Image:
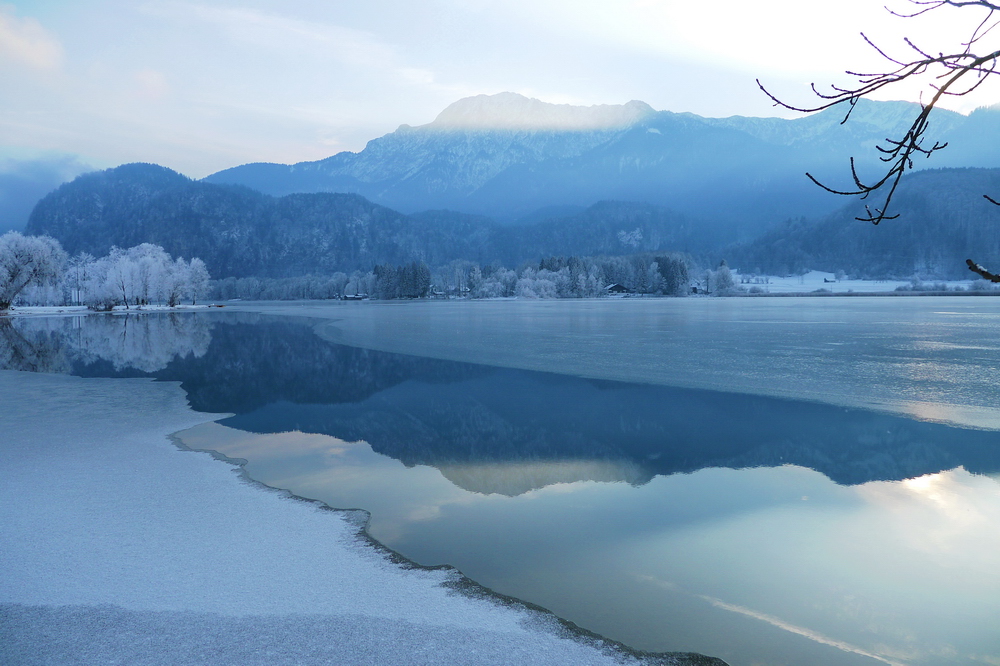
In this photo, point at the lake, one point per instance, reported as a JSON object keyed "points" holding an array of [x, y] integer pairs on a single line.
{"points": [[772, 481]]}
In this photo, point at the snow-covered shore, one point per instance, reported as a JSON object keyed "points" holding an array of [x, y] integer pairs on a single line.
{"points": [[56, 310], [823, 282], [119, 547]]}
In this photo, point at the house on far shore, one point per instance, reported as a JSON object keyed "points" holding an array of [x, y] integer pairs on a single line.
{"points": [[616, 289]]}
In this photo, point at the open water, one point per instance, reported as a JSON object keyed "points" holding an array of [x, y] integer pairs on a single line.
{"points": [[770, 481]]}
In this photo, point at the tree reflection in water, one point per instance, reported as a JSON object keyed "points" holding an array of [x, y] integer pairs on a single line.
{"points": [[141, 342], [486, 428]]}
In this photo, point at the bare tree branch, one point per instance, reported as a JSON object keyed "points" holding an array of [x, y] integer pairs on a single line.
{"points": [[949, 73], [976, 268]]}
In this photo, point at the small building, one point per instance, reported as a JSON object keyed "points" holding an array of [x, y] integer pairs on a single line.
{"points": [[616, 289]]}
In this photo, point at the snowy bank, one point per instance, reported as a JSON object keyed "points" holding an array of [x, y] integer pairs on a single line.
{"points": [[820, 281], [55, 310], [119, 547]]}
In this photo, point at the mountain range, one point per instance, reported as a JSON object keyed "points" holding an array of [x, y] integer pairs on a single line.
{"points": [[241, 232], [507, 179], [505, 156]]}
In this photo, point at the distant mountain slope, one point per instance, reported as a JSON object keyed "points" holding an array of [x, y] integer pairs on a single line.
{"points": [[24, 181], [943, 221], [240, 232], [506, 155]]}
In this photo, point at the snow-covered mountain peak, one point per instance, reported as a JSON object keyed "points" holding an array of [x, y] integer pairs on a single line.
{"points": [[513, 111]]}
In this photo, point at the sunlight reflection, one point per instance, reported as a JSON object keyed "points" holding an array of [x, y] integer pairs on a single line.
{"points": [[942, 514], [985, 418]]}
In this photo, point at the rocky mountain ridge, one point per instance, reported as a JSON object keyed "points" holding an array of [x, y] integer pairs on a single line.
{"points": [[506, 155]]}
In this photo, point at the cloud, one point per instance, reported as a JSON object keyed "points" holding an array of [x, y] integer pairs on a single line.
{"points": [[291, 37], [801, 631], [151, 84], [25, 41]]}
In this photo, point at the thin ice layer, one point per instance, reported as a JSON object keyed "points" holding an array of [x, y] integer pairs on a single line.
{"points": [[107, 523]]}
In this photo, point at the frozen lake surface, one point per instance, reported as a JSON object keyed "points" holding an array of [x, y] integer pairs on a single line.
{"points": [[777, 481]]}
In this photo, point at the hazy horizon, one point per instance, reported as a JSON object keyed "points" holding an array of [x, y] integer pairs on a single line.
{"points": [[203, 86]]}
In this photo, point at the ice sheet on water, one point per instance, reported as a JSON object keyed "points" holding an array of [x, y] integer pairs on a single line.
{"points": [[931, 358], [78, 635], [109, 522]]}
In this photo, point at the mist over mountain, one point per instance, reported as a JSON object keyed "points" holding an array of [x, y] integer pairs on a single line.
{"points": [[943, 220], [240, 232], [506, 155], [24, 181], [600, 180]]}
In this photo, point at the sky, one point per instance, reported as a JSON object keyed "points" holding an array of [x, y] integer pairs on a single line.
{"points": [[203, 85]]}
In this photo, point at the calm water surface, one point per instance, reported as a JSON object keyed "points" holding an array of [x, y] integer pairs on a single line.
{"points": [[648, 469]]}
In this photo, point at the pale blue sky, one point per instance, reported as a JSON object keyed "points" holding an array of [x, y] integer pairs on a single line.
{"points": [[206, 84]]}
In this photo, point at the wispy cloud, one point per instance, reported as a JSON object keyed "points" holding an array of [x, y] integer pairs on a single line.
{"points": [[25, 42], [322, 41]]}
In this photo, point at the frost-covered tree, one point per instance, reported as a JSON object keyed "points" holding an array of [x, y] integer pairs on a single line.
{"points": [[122, 276], [175, 279], [721, 282], [137, 276], [76, 276], [26, 260], [198, 278]]}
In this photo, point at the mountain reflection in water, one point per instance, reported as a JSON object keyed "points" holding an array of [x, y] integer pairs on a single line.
{"points": [[489, 430], [755, 529]]}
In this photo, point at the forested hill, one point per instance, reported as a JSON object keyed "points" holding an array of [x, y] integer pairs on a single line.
{"points": [[943, 220], [240, 232]]}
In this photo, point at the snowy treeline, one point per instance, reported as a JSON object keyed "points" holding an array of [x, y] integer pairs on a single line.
{"points": [[140, 275], [412, 280], [572, 277], [553, 277]]}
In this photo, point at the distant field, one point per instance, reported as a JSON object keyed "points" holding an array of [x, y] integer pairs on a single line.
{"points": [[814, 280]]}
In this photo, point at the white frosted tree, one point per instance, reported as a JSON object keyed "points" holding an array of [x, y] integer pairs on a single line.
{"points": [[198, 278], [123, 276], [175, 280], [138, 276], [97, 289], [27, 260], [76, 276], [151, 265]]}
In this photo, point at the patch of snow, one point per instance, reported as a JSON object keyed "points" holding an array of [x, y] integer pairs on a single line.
{"points": [[813, 281], [47, 310], [119, 547], [52, 310]]}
